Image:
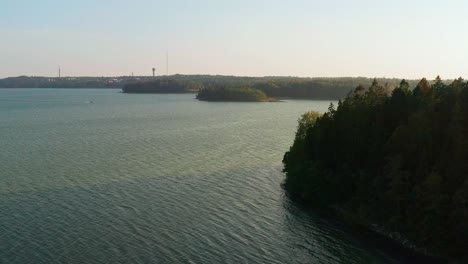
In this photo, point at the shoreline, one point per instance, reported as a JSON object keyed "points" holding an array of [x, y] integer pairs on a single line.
{"points": [[370, 235], [269, 100]]}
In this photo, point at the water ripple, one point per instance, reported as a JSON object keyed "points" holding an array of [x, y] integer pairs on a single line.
{"points": [[154, 179]]}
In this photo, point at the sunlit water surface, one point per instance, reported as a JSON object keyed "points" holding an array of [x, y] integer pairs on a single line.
{"points": [[97, 176]]}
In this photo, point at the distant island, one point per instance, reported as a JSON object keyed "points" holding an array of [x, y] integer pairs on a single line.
{"points": [[225, 94], [162, 86], [394, 161]]}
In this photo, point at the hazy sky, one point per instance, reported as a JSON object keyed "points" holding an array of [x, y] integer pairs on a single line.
{"points": [[393, 38]]}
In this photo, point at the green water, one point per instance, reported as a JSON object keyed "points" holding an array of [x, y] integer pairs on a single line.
{"points": [[155, 179]]}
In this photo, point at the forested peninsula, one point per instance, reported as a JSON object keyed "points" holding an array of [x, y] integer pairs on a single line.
{"points": [[395, 161]]}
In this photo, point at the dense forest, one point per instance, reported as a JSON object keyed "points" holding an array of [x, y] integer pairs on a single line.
{"points": [[317, 88], [232, 94], [395, 160], [162, 86]]}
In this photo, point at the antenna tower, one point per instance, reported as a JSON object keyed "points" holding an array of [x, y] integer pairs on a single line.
{"points": [[167, 63]]}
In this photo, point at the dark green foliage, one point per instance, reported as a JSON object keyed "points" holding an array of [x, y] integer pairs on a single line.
{"points": [[231, 94], [161, 86], [306, 88], [397, 160]]}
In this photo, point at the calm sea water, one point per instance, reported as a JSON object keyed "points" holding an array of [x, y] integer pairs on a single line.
{"points": [[155, 179]]}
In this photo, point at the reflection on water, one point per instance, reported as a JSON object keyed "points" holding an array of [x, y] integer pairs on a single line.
{"points": [[155, 178]]}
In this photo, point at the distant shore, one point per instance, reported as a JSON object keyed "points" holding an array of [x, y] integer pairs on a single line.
{"points": [[272, 86]]}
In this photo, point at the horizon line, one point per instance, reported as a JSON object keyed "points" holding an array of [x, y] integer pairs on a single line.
{"points": [[222, 75]]}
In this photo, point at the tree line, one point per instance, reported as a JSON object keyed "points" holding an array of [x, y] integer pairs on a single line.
{"points": [[272, 86], [392, 158]]}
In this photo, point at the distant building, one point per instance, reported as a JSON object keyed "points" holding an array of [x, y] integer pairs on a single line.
{"points": [[113, 81]]}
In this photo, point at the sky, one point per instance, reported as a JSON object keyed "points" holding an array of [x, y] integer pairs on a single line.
{"points": [[307, 38]]}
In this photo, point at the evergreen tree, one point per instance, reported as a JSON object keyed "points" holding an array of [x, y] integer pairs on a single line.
{"points": [[398, 160]]}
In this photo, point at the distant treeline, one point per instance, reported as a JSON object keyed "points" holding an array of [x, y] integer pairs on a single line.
{"points": [[297, 88], [162, 86], [307, 89], [64, 82], [278, 87], [396, 160], [231, 94]]}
